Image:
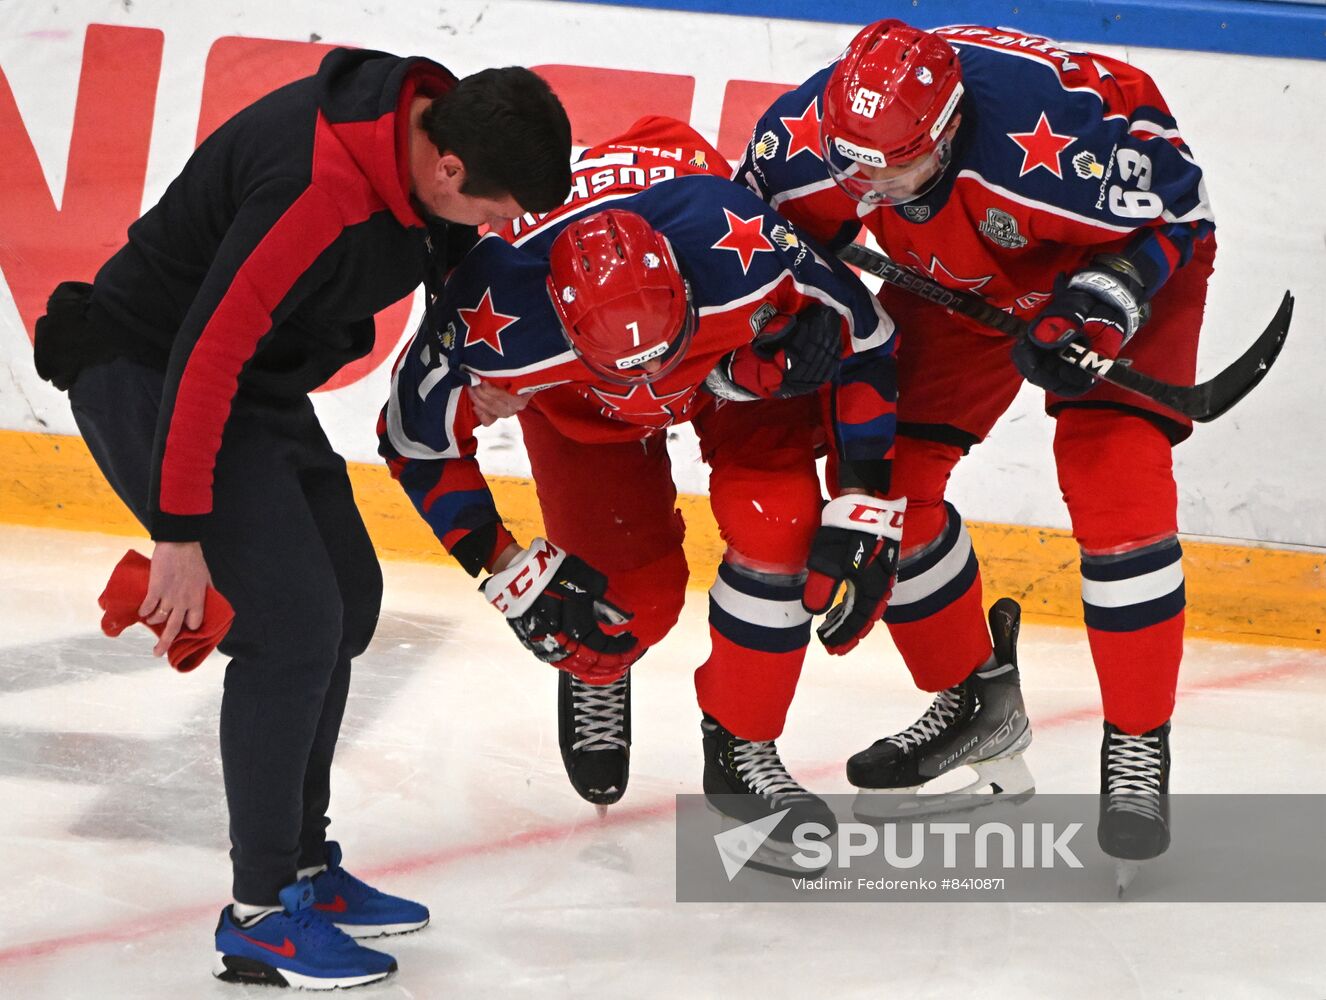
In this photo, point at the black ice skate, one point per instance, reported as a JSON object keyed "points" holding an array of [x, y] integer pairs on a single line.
{"points": [[594, 730], [980, 723], [745, 781], [1134, 798]]}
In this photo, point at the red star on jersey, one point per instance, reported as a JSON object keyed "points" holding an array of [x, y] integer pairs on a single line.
{"points": [[1041, 147], [947, 278], [804, 133], [745, 237], [484, 324], [641, 405]]}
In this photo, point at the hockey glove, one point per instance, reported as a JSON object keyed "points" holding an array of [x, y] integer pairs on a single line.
{"points": [[1096, 311], [556, 605], [792, 355], [856, 548]]}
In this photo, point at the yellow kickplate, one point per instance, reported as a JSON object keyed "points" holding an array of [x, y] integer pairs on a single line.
{"points": [[1235, 593]]}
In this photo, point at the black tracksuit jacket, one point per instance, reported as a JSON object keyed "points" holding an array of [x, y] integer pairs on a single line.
{"points": [[260, 269]]}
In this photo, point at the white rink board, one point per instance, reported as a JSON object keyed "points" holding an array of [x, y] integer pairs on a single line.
{"points": [[1253, 123]]}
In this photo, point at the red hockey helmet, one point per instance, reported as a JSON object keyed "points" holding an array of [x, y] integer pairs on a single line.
{"points": [[619, 292], [887, 106]]}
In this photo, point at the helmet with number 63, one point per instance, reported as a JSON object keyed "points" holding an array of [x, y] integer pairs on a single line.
{"points": [[619, 292], [887, 110]]}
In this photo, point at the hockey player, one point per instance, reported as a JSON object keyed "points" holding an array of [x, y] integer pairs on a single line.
{"points": [[620, 315], [188, 363], [1056, 184]]}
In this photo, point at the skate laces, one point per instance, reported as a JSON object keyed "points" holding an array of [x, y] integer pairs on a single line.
{"points": [[1133, 772], [762, 769], [600, 714], [942, 712]]}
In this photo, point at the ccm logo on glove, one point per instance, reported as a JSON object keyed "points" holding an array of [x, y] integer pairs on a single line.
{"points": [[869, 513], [514, 589]]}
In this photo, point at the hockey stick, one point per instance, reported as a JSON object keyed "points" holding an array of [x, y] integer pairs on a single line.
{"points": [[1203, 402]]}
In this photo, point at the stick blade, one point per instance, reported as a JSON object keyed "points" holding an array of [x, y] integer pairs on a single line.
{"points": [[1221, 393]]}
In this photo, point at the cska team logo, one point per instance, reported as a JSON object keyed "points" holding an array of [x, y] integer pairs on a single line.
{"points": [[484, 324], [1041, 148], [803, 132], [744, 237]]}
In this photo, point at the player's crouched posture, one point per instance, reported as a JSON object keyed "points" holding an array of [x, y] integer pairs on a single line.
{"points": [[619, 316], [1056, 184]]}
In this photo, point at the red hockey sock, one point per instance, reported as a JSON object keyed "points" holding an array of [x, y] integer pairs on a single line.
{"points": [[1133, 603], [1138, 673], [935, 614], [760, 633]]}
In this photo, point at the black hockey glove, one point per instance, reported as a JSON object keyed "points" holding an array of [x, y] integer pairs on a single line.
{"points": [[856, 548], [1096, 311], [791, 356], [556, 604]]}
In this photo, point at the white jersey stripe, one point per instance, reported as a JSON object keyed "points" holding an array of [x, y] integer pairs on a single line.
{"points": [[406, 446], [537, 366], [880, 335], [1043, 206], [800, 192]]}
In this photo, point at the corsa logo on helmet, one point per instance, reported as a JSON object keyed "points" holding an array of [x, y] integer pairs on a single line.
{"points": [[870, 157], [638, 359]]}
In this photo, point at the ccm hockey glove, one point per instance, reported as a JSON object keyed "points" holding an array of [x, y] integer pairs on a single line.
{"points": [[792, 355], [1097, 310], [556, 605], [856, 549]]}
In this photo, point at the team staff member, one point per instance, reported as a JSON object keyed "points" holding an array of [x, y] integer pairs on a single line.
{"points": [[189, 362]]}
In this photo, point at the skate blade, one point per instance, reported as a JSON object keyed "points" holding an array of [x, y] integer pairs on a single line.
{"points": [[772, 856], [1006, 780], [1124, 873], [601, 809]]}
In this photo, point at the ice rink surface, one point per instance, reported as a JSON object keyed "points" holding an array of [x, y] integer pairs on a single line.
{"points": [[449, 788]]}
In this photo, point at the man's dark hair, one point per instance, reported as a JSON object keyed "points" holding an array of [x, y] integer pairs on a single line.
{"points": [[512, 134]]}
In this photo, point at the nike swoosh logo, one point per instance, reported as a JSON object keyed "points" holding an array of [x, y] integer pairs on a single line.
{"points": [[337, 905], [285, 950]]}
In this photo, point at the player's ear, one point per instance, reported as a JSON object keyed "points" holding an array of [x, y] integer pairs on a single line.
{"points": [[450, 172]]}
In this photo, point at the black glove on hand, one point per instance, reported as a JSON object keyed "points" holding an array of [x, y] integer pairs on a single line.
{"points": [[556, 605], [856, 548], [791, 356], [1095, 311]]}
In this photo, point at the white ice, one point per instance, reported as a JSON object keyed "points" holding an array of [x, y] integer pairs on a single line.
{"points": [[449, 788]]}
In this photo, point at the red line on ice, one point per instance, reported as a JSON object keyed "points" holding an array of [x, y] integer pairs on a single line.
{"points": [[157, 923]]}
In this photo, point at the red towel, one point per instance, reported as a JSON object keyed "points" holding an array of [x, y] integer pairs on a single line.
{"points": [[124, 595]]}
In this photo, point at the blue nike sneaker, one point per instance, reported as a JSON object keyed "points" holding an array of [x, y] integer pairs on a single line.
{"points": [[296, 947], [359, 909]]}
